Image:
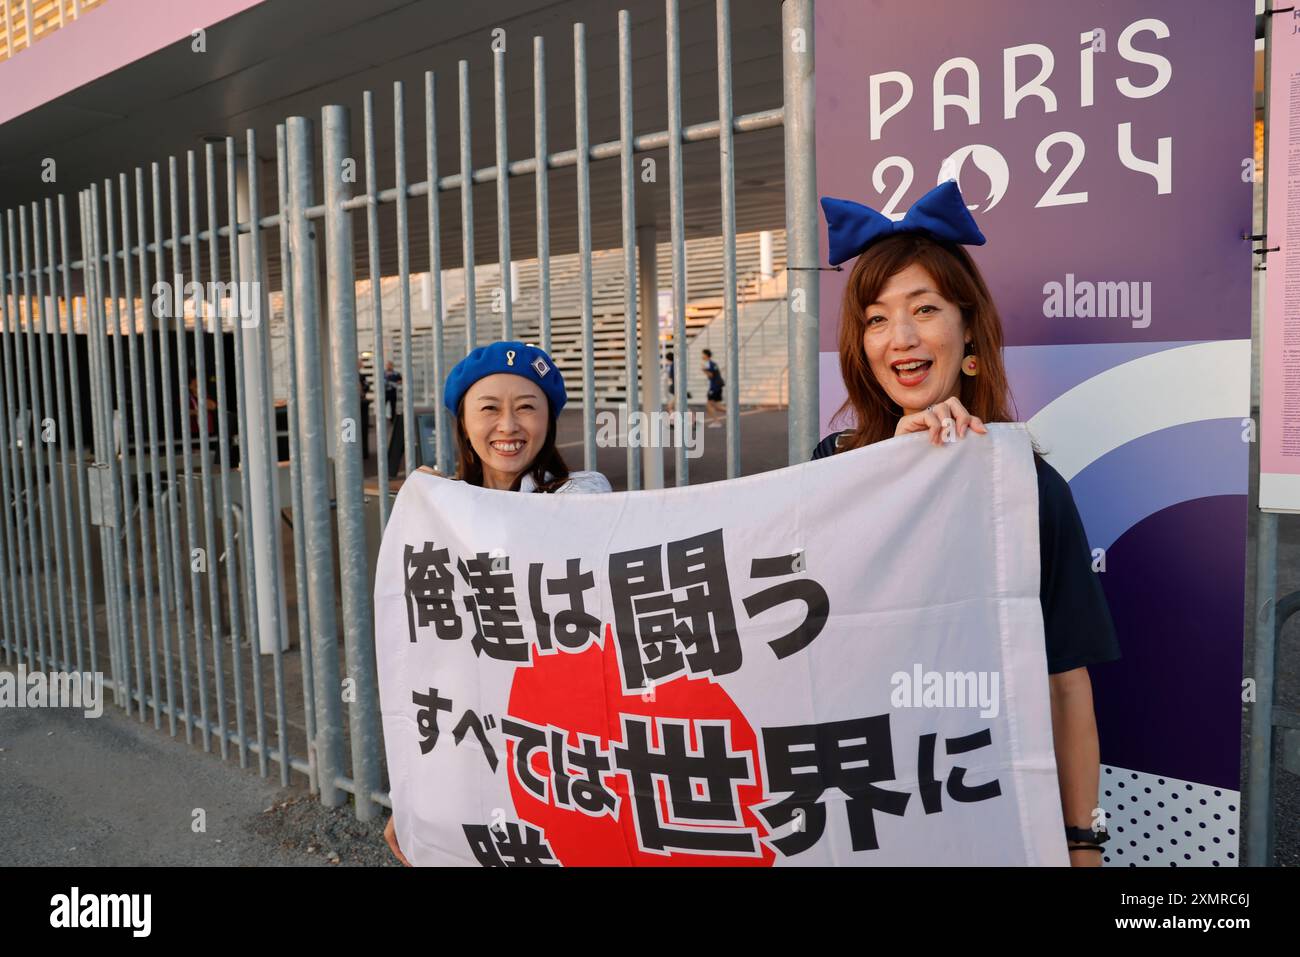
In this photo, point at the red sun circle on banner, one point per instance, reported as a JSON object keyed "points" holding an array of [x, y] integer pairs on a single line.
{"points": [[582, 693]]}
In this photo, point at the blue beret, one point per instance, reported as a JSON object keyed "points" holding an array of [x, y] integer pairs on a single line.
{"points": [[516, 358]]}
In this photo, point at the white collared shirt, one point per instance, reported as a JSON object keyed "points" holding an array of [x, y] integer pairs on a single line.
{"points": [[585, 482]]}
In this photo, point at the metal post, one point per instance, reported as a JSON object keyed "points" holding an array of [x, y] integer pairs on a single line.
{"points": [[315, 516], [467, 208], [801, 224], [274, 627], [134, 452], [209, 562], [379, 406], [122, 435], [187, 460], [15, 573], [160, 550], [404, 280], [201, 327], [288, 276], [1258, 843], [540, 158], [584, 246], [358, 611], [627, 171], [652, 453], [169, 521], [60, 520], [38, 525], [727, 173], [442, 434], [677, 224], [247, 391], [503, 191]]}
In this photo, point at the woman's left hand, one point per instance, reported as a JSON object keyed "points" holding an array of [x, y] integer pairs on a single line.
{"points": [[939, 420]]}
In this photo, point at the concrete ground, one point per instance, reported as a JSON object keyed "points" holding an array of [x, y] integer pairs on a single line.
{"points": [[109, 791]]}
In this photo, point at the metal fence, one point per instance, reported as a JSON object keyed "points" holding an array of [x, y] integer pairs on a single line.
{"points": [[110, 426]]}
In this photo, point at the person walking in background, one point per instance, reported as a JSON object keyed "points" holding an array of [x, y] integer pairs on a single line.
{"points": [[713, 401], [391, 378]]}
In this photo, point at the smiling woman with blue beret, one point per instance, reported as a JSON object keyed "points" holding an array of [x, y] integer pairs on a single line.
{"points": [[505, 399]]}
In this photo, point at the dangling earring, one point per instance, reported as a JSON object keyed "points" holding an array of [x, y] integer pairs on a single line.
{"points": [[970, 364]]}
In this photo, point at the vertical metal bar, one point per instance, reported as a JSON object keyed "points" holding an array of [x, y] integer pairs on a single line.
{"points": [[134, 451], [311, 421], [404, 277], [727, 172], [1257, 844], [47, 464], [107, 465], [442, 434], [97, 467], [37, 485], [12, 627], [210, 569], [78, 449], [1259, 798], [467, 209], [288, 272], [187, 456], [169, 521], [249, 578], [150, 486], [270, 452], [380, 406], [584, 245], [155, 486], [677, 218], [21, 452], [223, 470], [627, 164], [27, 20], [647, 249], [62, 521], [122, 484], [503, 190], [15, 574], [358, 611], [69, 436], [800, 100], [542, 158]]}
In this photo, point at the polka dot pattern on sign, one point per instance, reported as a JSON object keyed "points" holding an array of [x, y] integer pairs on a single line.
{"points": [[1164, 822]]}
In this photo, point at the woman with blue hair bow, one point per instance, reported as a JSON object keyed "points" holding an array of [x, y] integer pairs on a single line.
{"points": [[921, 351]]}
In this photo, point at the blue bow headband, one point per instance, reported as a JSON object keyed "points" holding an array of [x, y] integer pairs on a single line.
{"points": [[852, 227]]}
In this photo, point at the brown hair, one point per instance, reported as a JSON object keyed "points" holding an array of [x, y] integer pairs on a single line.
{"points": [[469, 467], [874, 416]]}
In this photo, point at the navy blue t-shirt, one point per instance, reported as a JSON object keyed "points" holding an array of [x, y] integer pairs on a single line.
{"points": [[1076, 619]]}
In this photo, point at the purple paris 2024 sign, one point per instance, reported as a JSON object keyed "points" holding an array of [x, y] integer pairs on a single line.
{"points": [[1105, 150]]}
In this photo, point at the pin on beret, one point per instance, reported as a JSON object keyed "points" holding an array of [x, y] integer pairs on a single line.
{"points": [[852, 227], [515, 358]]}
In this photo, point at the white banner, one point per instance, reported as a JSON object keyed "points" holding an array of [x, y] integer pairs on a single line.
{"points": [[840, 662]]}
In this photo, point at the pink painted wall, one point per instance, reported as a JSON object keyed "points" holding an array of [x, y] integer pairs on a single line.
{"points": [[104, 39]]}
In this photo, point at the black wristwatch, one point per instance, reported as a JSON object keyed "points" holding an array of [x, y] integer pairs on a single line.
{"points": [[1085, 835]]}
